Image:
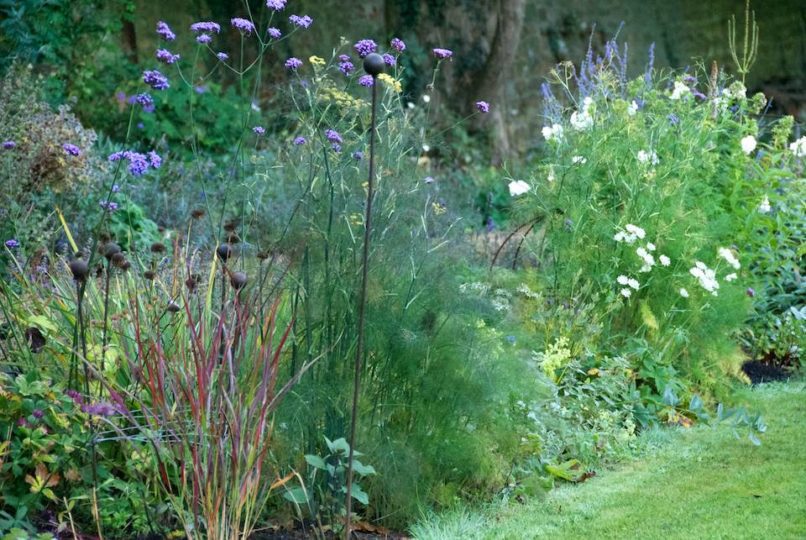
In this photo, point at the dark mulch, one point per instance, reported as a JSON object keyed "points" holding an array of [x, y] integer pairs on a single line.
{"points": [[761, 372], [302, 531]]}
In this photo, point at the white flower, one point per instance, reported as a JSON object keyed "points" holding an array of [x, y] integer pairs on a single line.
{"points": [[626, 293], [649, 260], [426, 148], [579, 159], [748, 144], [765, 207], [518, 187], [736, 90], [426, 98], [645, 157], [636, 230], [731, 259], [553, 133], [623, 280], [706, 277], [799, 147], [581, 121], [633, 283], [664, 260], [730, 277], [680, 90], [551, 177], [410, 105], [632, 108], [683, 293], [630, 234], [650, 246]]}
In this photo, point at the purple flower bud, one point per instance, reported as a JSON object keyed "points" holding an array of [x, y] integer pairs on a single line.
{"points": [[8, 145], [336, 147], [483, 107], [442, 54], [154, 160], [38, 413], [751, 292], [389, 60], [205, 26], [293, 63], [155, 80], [12, 243], [366, 80], [110, 206], [275, 5], [398, 45], [204, 39], [166, 56], [243, 25], [258, 130], [346, 67], [365, 47], [274, 33], [71, 149], [358, 155], [301, 22], [333, 136], [164, 31], [222, 56], [299, 141]]}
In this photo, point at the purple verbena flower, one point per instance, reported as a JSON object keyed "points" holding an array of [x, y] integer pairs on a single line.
{"points": [[275, 5], [303, 21], [389, 60], [442, 54], [101, 408], [154, 160], [155, 80], [483, 107], [205, 26], [12, 243], [333, 136], [165, 32], [116, 156], [144, 100], [346, 67], [222, 56], [8, 145], [166, 56], [201, 89], [77, 398], [243, 25], [358, 155], [138, 164], [109, 206], [204, 39], [398, 45], [274, 33], [115, 188], [299, 141], [673, 119], [366, 80], [336, 147], [71, 149], [258, 130], [293, 63], [365, 47]]}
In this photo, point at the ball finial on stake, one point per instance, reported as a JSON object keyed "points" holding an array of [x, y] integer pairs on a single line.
{"points": [[374, 64]]}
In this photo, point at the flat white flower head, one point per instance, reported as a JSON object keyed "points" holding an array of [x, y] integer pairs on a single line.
{"points": [[581, 160], [765, 207], [633, 283], [683, 293], [518, 187], [729, 257], [647, 157], [626, 293], [731, 277], [623, 280], [553, 133], [664, 260], [680, 90], [799, 147], [632, 108], [748, 144]]}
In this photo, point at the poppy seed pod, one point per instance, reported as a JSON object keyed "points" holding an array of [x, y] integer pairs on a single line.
{"points": [[238, 280], [110, 249], [79, 269], [224, 252], [374, 64]]}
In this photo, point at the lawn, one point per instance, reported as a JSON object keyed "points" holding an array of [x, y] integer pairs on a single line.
{"points": [[694, 483]]}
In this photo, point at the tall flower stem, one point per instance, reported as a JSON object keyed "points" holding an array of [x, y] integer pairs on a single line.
{"points": [[374, 69]]}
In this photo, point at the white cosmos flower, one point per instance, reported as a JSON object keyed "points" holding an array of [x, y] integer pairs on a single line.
{"points": [[799, 147], [765, 207], [683, 293], [518, 187], [748, 144], [664, 260]]}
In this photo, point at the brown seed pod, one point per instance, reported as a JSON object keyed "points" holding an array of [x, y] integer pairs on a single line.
{"points": [[262, 255], [224, 252], [118, 259], [198, 213], [238, 280], [157, 247], [79, 269], [231, 225], [149, 275], [110, 248], [125, 266], [192, 282], [173, 307]]}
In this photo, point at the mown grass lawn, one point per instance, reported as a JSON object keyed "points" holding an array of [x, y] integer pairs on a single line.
{"points": [[698, 483]]}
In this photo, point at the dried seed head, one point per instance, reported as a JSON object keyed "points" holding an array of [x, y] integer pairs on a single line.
{"points": [[374, 64], [79, 269], [262, 255], [157, 247], [233, 238], [231, 225], [198, 213], [110, 248], [192, 282], [149, 275], [125, 266], [238, 280], [118, 259], [173, 307], [224, 252]]}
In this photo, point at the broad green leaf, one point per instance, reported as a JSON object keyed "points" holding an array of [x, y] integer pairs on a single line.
{"points": [[315, 461], [363, 470], [296, 495], [360, 495]]}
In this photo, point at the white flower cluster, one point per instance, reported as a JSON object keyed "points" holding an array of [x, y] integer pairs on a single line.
{"points": [[680, 90], [799, 147], [765, 207], [553, 133], [632, 108], [646, 257], [735, 91], [582, 120], [705, 276], [579, 160], [647, 157], [630, 234], [628, 283], [729, 257], [518, 187], [748, 144]]}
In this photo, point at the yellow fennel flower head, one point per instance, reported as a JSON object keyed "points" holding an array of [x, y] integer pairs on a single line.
{"points": [[316, 61], [391, 82]]}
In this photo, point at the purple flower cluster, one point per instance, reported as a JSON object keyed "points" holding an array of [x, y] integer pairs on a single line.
{"points": [[77, 398], [144, 100], [389, 60], [205, 26], [154, 160], [442, 54], [164, 55], [345, 65], [12, 244], [483, 107], [165, 32], [8, 145], [138, 163], [275, 5], [299, 141], [71, 149], [204, 39], [274, 33], [366, 80], [222, 56], [293, 63], [243, 25], [333, 136], [303, 21], [155, 80], [398, 45], [109, 206], [365, 47], [100, 408], [358, 155], [258, 130]]}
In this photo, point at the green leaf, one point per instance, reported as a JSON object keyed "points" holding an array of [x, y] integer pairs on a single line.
{"points": [[296, 495], [753, 439], [315, 461], [363, 470], [338, 446], [359, 494]]}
